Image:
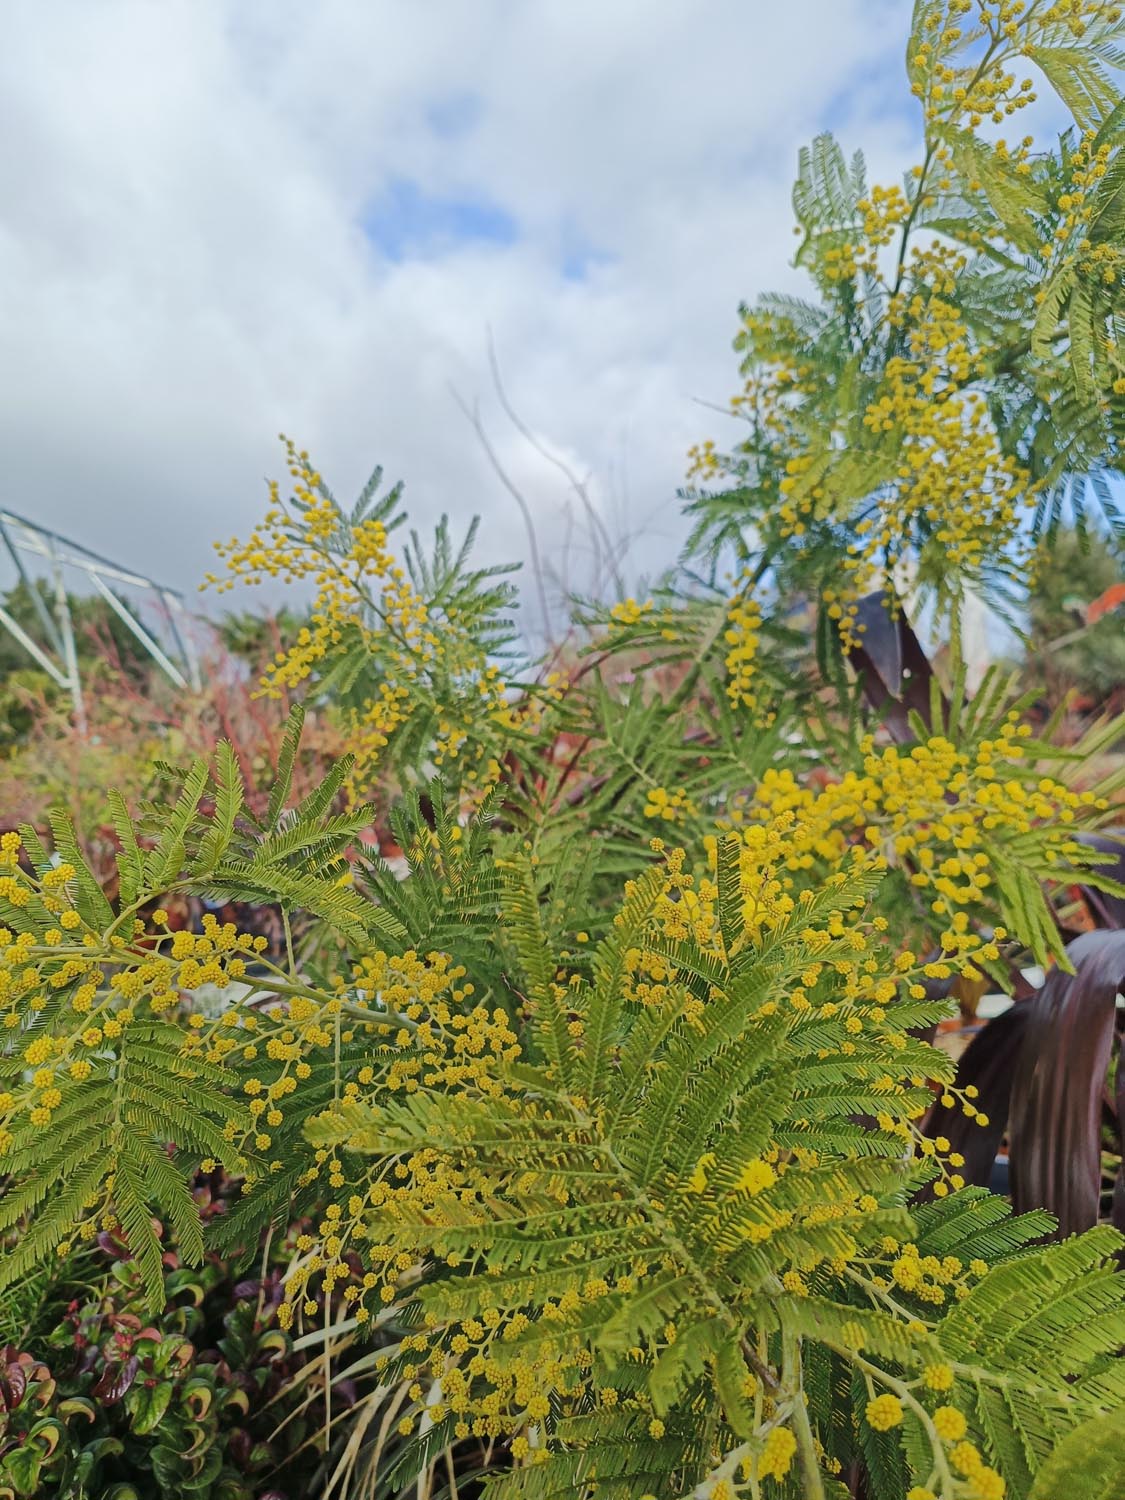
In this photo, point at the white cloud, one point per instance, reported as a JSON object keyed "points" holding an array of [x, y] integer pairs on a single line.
{"points": [[185, 269]]}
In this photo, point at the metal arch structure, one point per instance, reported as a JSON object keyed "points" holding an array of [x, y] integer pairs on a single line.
{"points": [[56, 652]]}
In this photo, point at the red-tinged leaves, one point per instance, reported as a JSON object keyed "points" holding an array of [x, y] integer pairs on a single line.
{"points": [[894, 670], [47, 1434], [197, 1397], [77, 1406], [1059, 1085], [988, 1064], [113, 1245], [240, 1445], [13, 1383], [117, 1379]]}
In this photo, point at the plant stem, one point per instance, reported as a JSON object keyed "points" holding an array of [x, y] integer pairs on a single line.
{"points": [[271, 986], [802, 1427], [906, 1396]]}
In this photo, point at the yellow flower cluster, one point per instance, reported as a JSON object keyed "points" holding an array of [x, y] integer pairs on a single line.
{"points": [[982, 91], [957, 496], [925, 1276], [883, 1413], [881, 215], [947, 1428], [80, 1005], [670, 806], [101, 989], [942, 489], [1077, 15], [438, 1040], [929, 481], [984, 1483], [647, 974], [884, 211], [419, 656], [367, 1247], [856, 982], [703, 459], [1105, 260], [629, 612], [777, 1454], [938, 812], [742, 638]]}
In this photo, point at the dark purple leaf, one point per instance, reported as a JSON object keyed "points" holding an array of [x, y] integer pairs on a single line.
{"points": [[891, 665], [988, 1063], [1106, 909], [13, 1383], [113, 1246], [240, 1446], [116, 1380], [1059, 1086]]}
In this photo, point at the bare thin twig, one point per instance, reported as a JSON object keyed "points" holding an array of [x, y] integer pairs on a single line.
{"points": [[473, 415], [600, 535]]}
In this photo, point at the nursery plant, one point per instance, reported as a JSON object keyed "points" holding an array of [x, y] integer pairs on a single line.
{"points": [[596, 1122], [98, 1399]]}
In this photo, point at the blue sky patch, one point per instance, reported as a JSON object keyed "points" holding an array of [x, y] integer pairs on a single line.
{"points": [[580, 256], [879, 77], [405, 220], [580, 260], [452, 118]]}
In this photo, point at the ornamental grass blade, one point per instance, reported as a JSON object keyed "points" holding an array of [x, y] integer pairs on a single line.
{"points": [[1059, 1085]]}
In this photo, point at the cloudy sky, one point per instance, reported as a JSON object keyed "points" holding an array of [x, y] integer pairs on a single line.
{"points": [[221, 219]]}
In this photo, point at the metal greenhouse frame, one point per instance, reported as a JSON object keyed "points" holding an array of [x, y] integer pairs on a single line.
{"points": [[55, 653]]}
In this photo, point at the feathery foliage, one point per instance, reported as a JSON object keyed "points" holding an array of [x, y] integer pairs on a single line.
{"points": [[956, 389], [613, 1139]]}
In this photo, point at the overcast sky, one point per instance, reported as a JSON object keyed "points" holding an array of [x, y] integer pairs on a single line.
{"points": [[221, 219]]}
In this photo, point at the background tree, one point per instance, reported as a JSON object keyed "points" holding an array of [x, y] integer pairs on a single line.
{"points": [[1064, 649]]}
